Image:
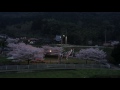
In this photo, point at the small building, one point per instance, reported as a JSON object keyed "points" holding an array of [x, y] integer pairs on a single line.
{"points": [[58, 38], [32, 40]]}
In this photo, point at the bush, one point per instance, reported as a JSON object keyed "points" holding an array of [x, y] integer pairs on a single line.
{"points": [[116, 53]]}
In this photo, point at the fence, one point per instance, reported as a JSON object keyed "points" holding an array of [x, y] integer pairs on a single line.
{"points": [[49, 66]]}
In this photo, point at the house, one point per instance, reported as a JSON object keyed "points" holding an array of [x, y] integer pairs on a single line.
{"points": [[32, 40], [58, 38]]}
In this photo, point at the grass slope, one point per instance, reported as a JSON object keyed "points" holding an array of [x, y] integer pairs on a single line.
{"points": [[82, 73]]}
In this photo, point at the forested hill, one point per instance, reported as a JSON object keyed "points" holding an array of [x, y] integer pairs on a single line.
{"points": [[65, 16], [80, 27]]}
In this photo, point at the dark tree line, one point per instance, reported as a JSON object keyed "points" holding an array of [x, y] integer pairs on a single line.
{"points": [[80, 27]]}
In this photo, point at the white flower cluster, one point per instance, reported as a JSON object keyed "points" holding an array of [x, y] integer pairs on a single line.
{"points": [[114, 43], [11, 40], [91, 54], [23, 51]]}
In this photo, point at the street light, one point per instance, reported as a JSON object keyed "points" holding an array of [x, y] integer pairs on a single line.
{"points": [[105, 36], [50, 50], [66, 40]]}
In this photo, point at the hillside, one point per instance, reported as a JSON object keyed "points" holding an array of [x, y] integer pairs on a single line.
{"points": [[80, 27]]}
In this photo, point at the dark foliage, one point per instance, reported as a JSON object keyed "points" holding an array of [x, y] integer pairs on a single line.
{"points": [[116, 53], [80, 27]]}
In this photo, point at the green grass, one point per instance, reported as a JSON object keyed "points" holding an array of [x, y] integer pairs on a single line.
{"points": [[70, 60], [51, 59], [82, 73]]}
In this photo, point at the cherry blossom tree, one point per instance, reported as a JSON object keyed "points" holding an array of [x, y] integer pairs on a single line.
{"points": [[91, 54], [11, 40], [21, 51]]}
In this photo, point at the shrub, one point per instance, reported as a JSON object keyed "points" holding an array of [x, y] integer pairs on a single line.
{"points": [[116, 53]]}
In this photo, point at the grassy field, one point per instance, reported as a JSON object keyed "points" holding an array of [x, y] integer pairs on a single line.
{"points": [[82, 73], [69, 61], [50, 59]]}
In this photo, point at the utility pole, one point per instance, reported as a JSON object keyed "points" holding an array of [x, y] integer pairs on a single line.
{"points": [[61, 40], [105, 35], [66, 39]]}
